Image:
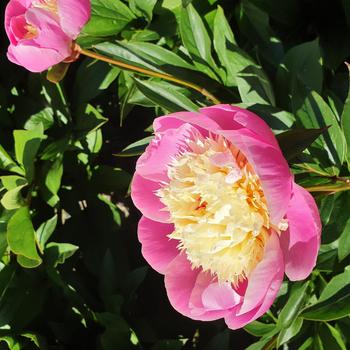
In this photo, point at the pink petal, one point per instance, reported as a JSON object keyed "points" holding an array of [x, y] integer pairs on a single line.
{"points": [[157, 248], [185, 287], [35, 59], [14, 8], [220, 296], [252, 136], [263, 286], [153, 164], [234, 321], [263, 275], [271, 167], [73, 15], [50, 34], [232, 117], [175, 120], [301, 242], [17, 25], [143, 194]]}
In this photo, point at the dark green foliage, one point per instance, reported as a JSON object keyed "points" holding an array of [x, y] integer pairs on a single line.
{"points": [[71, 273]]}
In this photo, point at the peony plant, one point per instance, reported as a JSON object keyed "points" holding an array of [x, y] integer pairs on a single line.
{"points": [[223, 219], [42, 32]]}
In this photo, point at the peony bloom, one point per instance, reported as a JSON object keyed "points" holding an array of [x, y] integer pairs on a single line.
{"points": [[223, 219], [41, 32]]}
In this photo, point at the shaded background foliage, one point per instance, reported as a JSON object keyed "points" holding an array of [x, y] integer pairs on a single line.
{"points": [[72, 274]]}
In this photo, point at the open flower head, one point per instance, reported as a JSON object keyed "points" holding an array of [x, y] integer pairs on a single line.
{"points": [[41, 32], [223, 219]]}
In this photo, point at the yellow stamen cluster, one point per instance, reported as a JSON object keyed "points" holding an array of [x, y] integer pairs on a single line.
{"points": [[48, 5], [32, 32], [218, 208]]}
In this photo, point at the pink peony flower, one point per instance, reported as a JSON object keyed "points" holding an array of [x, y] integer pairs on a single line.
{"points": [[41, 32], [223, 219]]}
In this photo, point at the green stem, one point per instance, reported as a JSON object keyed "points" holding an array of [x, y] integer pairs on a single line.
{"points": [[329, 188], [150, 73]]}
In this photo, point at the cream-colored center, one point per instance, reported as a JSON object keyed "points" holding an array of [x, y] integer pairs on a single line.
{"points": [[218, 209], [48, 5]]}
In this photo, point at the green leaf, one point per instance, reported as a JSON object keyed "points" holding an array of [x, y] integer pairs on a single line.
{"points": [[196, 40], [135, 148], [44, 118], [345, 120], [45, 230], [143, 7], [13, 199], [295, 301], [261, 344], [254, 86], [344, 242], [166, 96], [331, 337], [27, 143], [89, 121], [12, 181], [315, 113], [291, 331], [107, 179], [334, 302], [232, 58], [260, 329], [92, 78], [58, 253], [52, 174], [7, 163], [293, 142], [108, 17], [158, 55], [254, 23], [301, 62], [21, 236]]}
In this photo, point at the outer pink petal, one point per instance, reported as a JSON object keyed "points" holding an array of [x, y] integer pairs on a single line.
{"points": [[271, 167], [157, 248], [35, 59], [175, 120], [264, 274], [161, 151], [143, 194], [14, 8], [257, 143], [301, 242], [185, 287], [50, 34], [73, 15], [263, 286], [232, 117]]}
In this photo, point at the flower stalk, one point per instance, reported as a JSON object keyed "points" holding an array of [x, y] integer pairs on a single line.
{"points": [[149, 73]]}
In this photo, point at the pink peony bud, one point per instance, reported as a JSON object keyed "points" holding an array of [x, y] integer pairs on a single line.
{"points": [[223, 219], [41, 32]]}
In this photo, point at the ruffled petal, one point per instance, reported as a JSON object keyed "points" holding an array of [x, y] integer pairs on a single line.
{"points": [[301, 242], [185, 287], [230, 117], [143, 194], [35, 59], [263, 275], [13, 9], [263, 286], [50, 34], [271, 167], [153, 164], [157, 248], [73, 15]]}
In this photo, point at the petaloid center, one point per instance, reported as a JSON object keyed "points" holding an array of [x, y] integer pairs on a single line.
{"points": [[218, 209]]}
